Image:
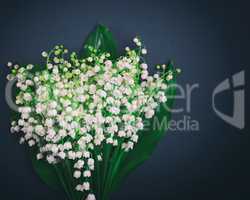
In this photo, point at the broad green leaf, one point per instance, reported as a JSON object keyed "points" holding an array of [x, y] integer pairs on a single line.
{"points": [[56, 176], [148, 140], [45, 171], [102, 40]]}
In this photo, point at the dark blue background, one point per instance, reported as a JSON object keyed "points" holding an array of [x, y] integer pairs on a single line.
{"points": [[208, 39]]}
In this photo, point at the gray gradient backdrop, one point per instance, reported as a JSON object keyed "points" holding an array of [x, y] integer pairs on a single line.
{"points": [[209, 40]]}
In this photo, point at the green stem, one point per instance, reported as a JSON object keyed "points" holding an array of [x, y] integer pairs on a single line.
{"points": [[117, 165], [71, 180], [106, 161], [113, 162], [98, 176], [64, 185]]}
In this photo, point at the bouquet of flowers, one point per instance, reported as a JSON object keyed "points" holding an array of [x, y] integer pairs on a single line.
{"points": [[83, 114]]}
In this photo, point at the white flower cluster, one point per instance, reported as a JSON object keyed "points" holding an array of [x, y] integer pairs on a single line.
{"points": [[76, 105]]}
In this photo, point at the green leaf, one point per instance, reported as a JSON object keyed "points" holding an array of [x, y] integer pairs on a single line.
{"points": [[149, 138], [45, 171], [102, 40], [57, 176]]}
